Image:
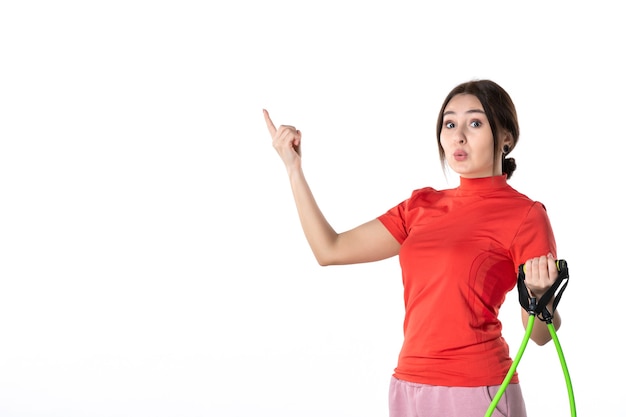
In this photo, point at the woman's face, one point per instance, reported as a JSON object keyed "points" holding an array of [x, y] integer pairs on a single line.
{"points": [[466, 138]]}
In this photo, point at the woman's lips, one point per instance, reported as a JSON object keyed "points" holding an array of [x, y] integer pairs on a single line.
{"points": [[460, 155]]}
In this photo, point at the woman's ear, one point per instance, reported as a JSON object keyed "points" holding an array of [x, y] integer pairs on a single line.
{"points": [[506, 142]]}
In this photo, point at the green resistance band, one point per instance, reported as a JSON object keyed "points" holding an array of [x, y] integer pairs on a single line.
{"points": [[530, 304]]}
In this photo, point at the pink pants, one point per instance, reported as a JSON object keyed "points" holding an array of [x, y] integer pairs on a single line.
{"points": [[408, 399]]}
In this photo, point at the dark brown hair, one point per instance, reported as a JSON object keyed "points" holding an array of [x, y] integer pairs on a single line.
{"points": [[500, 112]]}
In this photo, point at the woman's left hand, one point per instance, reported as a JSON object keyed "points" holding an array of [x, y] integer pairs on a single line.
{"points": [[540, 274]]}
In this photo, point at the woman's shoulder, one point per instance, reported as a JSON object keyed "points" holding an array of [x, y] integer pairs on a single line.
{"points": [[428, 194], [429, 197], [515, 193]]}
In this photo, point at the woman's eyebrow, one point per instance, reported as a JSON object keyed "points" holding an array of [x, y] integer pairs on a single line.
{"points": [[469, 111]]}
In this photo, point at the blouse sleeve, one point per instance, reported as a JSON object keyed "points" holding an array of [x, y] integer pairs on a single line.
{"points": [[534, 237], [395, 221]]}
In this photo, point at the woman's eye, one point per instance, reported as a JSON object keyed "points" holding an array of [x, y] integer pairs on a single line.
{"points": [[475, 123], [450, 125]]}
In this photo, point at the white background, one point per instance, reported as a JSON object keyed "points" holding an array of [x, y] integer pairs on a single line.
{"points": [[151, 260]]}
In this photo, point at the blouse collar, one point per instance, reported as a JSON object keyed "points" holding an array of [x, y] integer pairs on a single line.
{"points": [[483, 184]]}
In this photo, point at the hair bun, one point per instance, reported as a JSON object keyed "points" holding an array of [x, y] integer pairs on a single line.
{"points": [[508, 167]]}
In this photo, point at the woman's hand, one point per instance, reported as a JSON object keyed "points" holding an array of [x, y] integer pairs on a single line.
{"points": [[286, 140], [540, 274]]}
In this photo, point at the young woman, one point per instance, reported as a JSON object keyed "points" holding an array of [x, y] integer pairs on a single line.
{"points": [[459, 250]]}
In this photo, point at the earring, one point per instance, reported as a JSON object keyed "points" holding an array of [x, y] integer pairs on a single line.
{"points": [[505, 149]]}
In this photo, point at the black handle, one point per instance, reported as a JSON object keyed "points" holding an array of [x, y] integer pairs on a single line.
{"points": [[539, 308]]}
